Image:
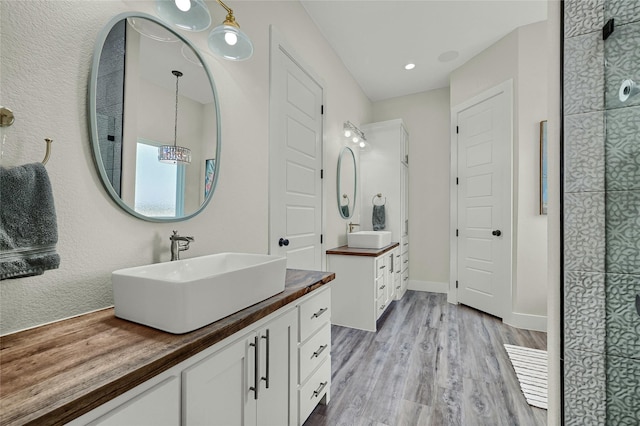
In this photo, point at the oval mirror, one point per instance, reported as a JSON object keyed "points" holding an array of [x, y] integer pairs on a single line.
{"points": [[346, 183], [151, 88]]}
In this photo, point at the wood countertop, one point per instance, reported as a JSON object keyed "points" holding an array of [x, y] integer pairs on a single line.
{"points": [[54, 373], [352, 251]]}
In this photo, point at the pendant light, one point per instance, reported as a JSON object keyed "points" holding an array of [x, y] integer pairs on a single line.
{"points": [[172, 154], [228, 41]]}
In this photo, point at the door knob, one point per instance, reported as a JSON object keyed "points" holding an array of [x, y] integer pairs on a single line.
{"points": [[497, 233], [283, 242]]}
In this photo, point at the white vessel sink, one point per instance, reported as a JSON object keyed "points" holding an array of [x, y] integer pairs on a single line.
{"points": [[187, 294], [369, 239]]}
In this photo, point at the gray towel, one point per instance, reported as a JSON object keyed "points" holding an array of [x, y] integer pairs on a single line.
{"points": [[28, 227], [345, 210], [378, 218]]}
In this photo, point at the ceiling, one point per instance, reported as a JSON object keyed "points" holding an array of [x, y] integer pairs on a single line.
{"points": [[375, 39]]}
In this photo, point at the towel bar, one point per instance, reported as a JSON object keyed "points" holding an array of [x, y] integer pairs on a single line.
{"points": [[347, 197], [378, 195], [47, 154]]}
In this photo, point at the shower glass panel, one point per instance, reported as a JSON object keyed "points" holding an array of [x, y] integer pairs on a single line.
{"points": [[622, 212]]}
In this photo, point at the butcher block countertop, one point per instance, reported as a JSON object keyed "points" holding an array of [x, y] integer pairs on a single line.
{"points": [[352, 251], [57, 372]]}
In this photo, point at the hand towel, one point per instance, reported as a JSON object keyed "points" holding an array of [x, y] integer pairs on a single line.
{"points": [[378, 218], [28, 226], [345, 210]]}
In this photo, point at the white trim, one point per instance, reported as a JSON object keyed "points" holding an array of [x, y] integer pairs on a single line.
{"points": [[278, 42], [507, 88], [526, 321], [430, 286]]}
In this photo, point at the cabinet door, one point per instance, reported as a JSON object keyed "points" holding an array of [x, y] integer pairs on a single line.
{"points": [[217, 389], [278, 364]]}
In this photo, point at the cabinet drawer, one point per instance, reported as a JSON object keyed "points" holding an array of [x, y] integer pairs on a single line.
{"points": [[314, 312], [314, 351], [405, 261], [404, 245], [381, 287], [397, 262], [380, 266], [405, 278], [381, 305], [316, 387]]}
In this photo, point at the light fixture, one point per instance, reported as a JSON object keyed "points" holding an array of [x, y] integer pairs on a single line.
{"points": [[409, 66], [190, 15], [353, 133], [172, 154], [228, 41]]}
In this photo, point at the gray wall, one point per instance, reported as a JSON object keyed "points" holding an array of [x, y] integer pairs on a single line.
{"points": [[601, 215]]}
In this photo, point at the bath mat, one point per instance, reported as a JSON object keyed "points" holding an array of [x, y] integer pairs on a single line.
{"points": [[530, 366]]}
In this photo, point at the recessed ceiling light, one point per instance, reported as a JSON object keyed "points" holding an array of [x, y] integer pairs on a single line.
{"points": [[448, 56], [409, 66]]}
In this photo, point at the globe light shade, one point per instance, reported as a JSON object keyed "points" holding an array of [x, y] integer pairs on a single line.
{"points": [[189, 15], [230, 43]]}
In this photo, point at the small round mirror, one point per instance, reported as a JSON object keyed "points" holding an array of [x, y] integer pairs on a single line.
{"points": [[346, 183], [155, 120]]}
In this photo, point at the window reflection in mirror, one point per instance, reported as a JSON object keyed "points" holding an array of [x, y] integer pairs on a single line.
{"points": [[133, 98]]}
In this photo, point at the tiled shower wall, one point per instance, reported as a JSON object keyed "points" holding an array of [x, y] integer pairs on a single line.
{"points": [[601, 214]]}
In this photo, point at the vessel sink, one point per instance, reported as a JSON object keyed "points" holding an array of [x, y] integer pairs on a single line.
{"points": [[369, 239], [187, 294]]}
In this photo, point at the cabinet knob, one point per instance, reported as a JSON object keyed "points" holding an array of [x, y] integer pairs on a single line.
{"points": [[497, 233], [283, 242]]}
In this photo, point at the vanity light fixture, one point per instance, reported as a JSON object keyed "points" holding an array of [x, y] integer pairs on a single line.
{"points": [[172, 154], [228, 41], [225, 40], [190, 15], [352, 132], [409, 66]]}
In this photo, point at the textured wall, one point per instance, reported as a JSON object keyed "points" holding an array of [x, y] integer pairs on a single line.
{"points": [[602, 215], [46, 51]]}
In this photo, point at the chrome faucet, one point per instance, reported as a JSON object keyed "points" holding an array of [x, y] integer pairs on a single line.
{"points": [[178, 244], [351, 225]]}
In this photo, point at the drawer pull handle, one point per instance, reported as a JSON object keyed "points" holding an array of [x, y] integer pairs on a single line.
{"points": [[319, 390], [406, 278], [383, 266], [405, 244], [382, 288], [397, 255], [383, 306], [266, 379], [320, 312], [406, 261], [321, 349], [398, 287]]}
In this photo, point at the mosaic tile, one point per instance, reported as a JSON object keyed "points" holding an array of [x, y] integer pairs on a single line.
{"points": [[583, 16], [584, 152], [584, 389], [623, 232], [622, 54], [623, 11], [623, 391], [622, 148], [584, 226], [583, 74], [584, 311], [623, 322]]}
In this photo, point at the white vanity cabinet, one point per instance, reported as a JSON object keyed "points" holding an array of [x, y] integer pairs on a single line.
{"points": [[271, 373], [364, 286], [384, 169], [247, 382]]}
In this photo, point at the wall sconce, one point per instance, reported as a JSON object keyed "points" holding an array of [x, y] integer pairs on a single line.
{"points": [[355, 135], [225, 40]]}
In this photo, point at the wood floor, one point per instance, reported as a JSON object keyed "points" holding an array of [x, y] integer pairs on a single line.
{"points": [[430, 363]]}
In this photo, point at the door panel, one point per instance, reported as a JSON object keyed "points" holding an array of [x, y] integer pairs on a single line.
{"points": [[483, 207]]}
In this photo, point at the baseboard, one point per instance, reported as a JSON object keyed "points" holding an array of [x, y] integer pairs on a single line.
{"points": [[526, 321], [430, 286]]}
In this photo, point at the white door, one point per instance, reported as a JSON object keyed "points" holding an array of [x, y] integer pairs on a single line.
{"points": [[295, 163], [484, 199]]}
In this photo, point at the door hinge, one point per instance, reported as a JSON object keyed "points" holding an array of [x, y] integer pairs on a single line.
{"points": [[457, 181], [456, 232], [607, 30], [457, 129], [456, 284], [321, 109], [320, 238], [321, 173]]}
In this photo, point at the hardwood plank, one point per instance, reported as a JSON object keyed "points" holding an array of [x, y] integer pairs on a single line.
{"points": [[430, 363]]}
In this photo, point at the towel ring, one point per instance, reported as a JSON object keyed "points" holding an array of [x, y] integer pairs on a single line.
{"points": [[378, 195], [347, 197], [47, 153]]}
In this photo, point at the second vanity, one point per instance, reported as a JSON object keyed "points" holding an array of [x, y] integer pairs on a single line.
{"points": [[367, 281], [266, 364]]}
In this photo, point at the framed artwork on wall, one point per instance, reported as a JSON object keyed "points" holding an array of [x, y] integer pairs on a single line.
{"points": [[543, 167], [209, 173]]}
